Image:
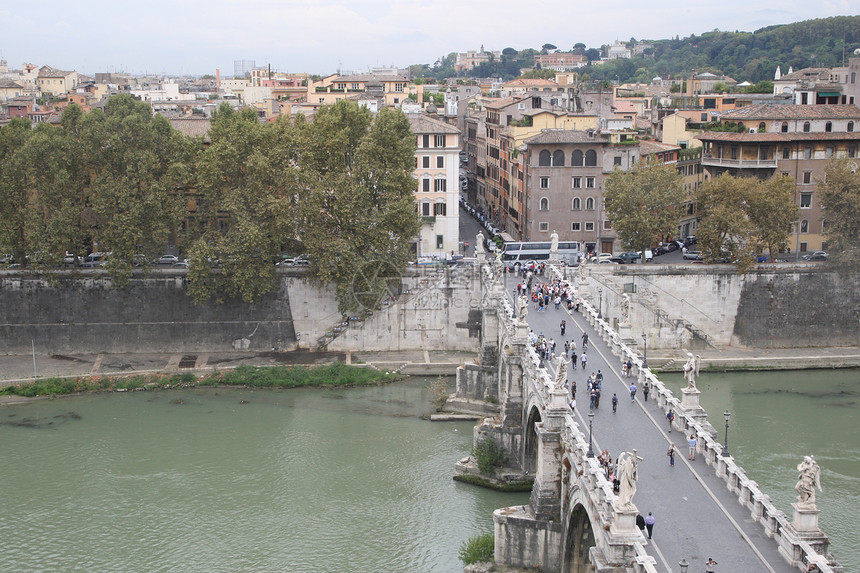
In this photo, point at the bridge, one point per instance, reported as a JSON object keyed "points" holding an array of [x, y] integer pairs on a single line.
{"points": [[575, 521]]}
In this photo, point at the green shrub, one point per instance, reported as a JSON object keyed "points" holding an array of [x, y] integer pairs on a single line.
{"points": [[438, 392], [488, 455], [477, 549]]}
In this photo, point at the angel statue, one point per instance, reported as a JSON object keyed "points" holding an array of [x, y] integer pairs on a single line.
{"points": [[479, 244], [523, 303], [628, 468], [691, 370], [809, 477], [625, 309], [560, 372]]}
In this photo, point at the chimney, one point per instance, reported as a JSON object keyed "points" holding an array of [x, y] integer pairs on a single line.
{"points": [[217, 78]]}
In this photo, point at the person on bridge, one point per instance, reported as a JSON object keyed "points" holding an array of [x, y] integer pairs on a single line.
{"points": [[670, 416], [646, 387], [640, 522], [614, 403], [709, 566], [583, 359], [584, 341], [573, 357], [563, 327], [632, 392], [649, 524], [671, 454], [692, 442]]}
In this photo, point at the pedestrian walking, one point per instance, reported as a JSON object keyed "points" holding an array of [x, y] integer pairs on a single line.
{"points": [[573, 403], [692, 443], [709, 566], [614, 403], [563, 326], [640, 522], [649, 524], [671, 454], [670, 415], [584, 341], [629, 367], [632, 392], [573, 357], [646, 387], [583, 359]]}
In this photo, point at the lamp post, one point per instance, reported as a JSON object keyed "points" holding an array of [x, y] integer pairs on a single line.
{"points": [[683, 565], [645, 351], [590, 453], [600, 305], [726, 415]]}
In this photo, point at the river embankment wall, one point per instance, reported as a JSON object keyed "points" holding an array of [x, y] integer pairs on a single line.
{"points": [[72, 312]]}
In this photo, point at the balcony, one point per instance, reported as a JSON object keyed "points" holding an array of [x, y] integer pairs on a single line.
{"points": [[738, 163]]}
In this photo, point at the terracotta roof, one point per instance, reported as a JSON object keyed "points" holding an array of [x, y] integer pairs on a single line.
{"points": [[807, 74], [559, 136], [7, 83], [765, 111], [367, 78], [193, 127], [423, 124], [777, 137], [647, 147], [622, 106], [529, 82], [49, 72], [504, 102]]}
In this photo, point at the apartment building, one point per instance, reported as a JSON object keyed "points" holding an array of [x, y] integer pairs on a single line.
{"points": [[794, 140]]}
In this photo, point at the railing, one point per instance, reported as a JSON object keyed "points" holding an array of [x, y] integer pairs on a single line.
{"points": [[742, 163], [750, 496]]}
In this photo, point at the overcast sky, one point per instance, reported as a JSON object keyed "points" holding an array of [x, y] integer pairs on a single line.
{"points": [[324, 36]]}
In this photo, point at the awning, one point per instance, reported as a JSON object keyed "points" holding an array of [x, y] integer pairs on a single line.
{"points": [[829, 94]]}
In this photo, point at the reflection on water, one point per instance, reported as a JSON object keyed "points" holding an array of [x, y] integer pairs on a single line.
{"points": [[779, 417], [237, 480]]}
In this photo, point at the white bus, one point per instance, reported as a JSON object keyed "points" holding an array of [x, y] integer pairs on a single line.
{"points": [[525, 252]]}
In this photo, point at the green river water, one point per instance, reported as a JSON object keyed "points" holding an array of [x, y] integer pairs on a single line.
{"points": [[347, 480]]}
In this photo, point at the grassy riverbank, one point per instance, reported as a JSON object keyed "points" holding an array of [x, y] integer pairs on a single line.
{"points": [[336, 374]]}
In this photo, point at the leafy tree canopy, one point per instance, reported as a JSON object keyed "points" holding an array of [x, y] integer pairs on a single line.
{"points": [[840, 196]]}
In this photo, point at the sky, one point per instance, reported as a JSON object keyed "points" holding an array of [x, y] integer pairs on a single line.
{"points": [[326, 36]]}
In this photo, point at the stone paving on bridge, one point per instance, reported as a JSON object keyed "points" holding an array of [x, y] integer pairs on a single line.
{"points": [[697, 518]]}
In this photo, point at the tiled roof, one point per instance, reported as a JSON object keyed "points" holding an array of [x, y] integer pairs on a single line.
{"points": [[504, 102], [7, 83], [367, 78], [647, 147], [807, 74], [777, 137], [192, 127], [623, 107], [529, 82], [559, 136], [423, 124], [765, 111], [49, 72]]}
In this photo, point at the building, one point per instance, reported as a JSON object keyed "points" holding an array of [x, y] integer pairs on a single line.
{"points": [[10, 89], [705, 83], [793, 140], [559, 61], [437, 169], [395, 90], [817, 86], [471, 59], [52, 81]]}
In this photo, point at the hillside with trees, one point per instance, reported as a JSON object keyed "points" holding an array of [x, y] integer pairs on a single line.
{"points": [[750, 56]]}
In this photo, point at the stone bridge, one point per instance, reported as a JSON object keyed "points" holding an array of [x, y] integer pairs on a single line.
{"points": [[574, 521]]}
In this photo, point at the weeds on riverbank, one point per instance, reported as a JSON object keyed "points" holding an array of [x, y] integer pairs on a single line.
{"points": [[246, 376]]}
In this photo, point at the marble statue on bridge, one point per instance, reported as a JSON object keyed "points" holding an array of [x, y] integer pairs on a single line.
{"points": [[523, 308], [691, 370], [809, 477], [561, 372], [625, 309], [628, 468], [479, 245]]}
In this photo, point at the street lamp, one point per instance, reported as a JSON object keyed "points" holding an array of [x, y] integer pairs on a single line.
{"points": [[590, 453], [683, 565], [600, 305], [645, 351], [726, 415]]}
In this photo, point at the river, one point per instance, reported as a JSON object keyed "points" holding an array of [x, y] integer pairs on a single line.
{"points": [[338, 480], [237, 480]]}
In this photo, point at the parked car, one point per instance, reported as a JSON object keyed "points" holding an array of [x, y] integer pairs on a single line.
{"points": [[181, 263], [816, 256], [693, 256], [94, 260], [168, 260], [630, 257]]}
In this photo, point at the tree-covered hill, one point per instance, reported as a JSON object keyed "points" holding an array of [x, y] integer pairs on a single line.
{"points": [[750, 56]]}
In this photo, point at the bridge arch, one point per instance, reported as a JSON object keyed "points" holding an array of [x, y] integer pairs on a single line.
{"points": [[530, 445], [578, 541]]}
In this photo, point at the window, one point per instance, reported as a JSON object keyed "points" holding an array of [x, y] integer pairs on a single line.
{"points": [[396, 100], [439, 209], [850, 126], [425, 185], [398, 87], [607, 224], [544, 204], [440, 161], [575, 226], [544, 182], [807, 153], [576, 204], [425, 209], [805, 200], [441, 185], [784, 127], [616, 160], [440, 141], [589, 204], [852, 151], [704, 117], [762, 128], [804, 226], [589, 226], [425, 141], [828, 152], [589, 182], [576, 183], [590, 158], [576, 159], [828, 127], [786, 152], [544, 159], [807, 177], [440, 241], [805, 126], [543, 227], [425, 162], [558, 158]]}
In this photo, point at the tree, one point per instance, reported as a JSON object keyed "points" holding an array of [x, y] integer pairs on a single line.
{"points": [[357, 205], [840, 197], [547, 47], [13, 188], [772, 212], [509, 52], [644, 203]]}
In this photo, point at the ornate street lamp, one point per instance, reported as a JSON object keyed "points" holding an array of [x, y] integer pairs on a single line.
{"points": [[683, 565], [645, 351], [600, 305], [590, 453], [726, 415]]}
